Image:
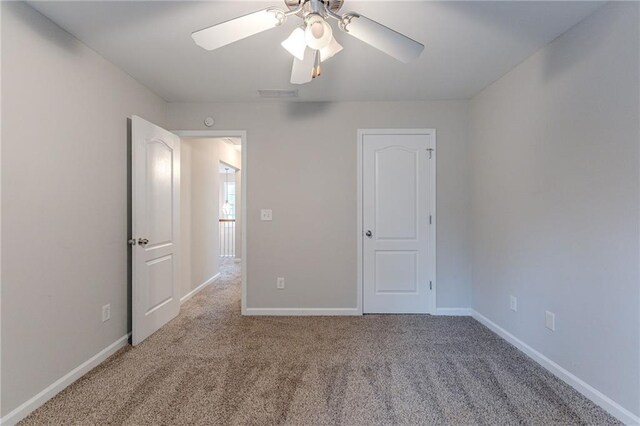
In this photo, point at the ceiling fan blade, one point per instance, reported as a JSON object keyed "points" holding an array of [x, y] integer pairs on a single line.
{"points": [[236, 29], [382, 38], [302, 70]]}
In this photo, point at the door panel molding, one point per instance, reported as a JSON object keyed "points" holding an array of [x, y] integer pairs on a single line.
{"points": [[430, 280]]}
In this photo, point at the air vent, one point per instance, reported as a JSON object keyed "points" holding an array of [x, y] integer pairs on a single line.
{"points": [[275, 93]]}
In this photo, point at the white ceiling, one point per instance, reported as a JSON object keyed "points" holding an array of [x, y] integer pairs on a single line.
{"points": [[468, 45]]}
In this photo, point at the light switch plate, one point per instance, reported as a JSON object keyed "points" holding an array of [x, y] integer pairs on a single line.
{"points": [[106, 312], [266, 214], [550, 320], [280, 283]]}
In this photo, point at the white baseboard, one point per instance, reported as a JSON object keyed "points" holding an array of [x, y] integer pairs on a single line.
{"points": [[612, 407], [339, 311], [454, 312], [52, 390], [199, 288], [296, 312]]}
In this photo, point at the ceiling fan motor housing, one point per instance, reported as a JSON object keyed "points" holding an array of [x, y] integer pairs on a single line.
{"points": [[333, 5]]}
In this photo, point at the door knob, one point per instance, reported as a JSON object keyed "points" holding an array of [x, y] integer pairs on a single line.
{"points": [[143, 241], [368, 233]]}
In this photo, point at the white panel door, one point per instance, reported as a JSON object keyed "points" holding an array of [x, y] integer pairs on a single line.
{"points": [[155, 222], [397, 232]]}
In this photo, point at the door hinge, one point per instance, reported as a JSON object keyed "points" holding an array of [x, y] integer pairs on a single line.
{"points": [[430, 219], [430, 150], [430, 285]]}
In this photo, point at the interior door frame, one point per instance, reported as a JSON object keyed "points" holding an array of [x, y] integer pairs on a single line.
{"points": [[242, 134], [432, 202]]}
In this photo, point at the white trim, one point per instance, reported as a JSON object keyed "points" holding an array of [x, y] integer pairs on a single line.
{"points": [[211, 134], [199, 288], [243, 195], [52, 390], [237, 259], [0, 212], [454, 312], [359, 229], [434, 225], [359, 211], [296, 312], [612, 407]]}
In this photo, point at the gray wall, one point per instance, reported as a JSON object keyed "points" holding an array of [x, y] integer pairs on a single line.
{"points": [[302, 164], [186, 282], [555, 201], [64, 200]]}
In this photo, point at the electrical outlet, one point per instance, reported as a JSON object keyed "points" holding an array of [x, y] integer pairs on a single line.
{"points": [[550, 320], [106, 312], [266, 214], [280, 283], [513, 303]]}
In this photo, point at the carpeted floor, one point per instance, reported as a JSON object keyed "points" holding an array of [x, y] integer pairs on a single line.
{"points": [[212, 366]]}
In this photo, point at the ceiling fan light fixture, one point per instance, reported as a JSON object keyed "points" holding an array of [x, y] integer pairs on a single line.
{"points": [[295, 43], [329, 50], [318, 32]]}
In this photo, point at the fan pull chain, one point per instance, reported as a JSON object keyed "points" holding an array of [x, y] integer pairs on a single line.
{"points": [[316, 66]]}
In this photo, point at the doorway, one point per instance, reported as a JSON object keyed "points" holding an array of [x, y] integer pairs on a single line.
{"points": [[396, 218], [212, 207]]}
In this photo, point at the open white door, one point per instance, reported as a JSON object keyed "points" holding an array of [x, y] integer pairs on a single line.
{"points": [[155, 164], [398, 205]]}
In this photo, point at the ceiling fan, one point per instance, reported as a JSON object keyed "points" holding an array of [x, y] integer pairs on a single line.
{"points": [[312, 42]]}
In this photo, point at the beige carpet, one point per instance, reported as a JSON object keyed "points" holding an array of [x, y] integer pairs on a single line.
{"points": [[212, 366]]}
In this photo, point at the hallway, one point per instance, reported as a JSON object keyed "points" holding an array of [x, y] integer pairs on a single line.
{"points": [[212, 366]]}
